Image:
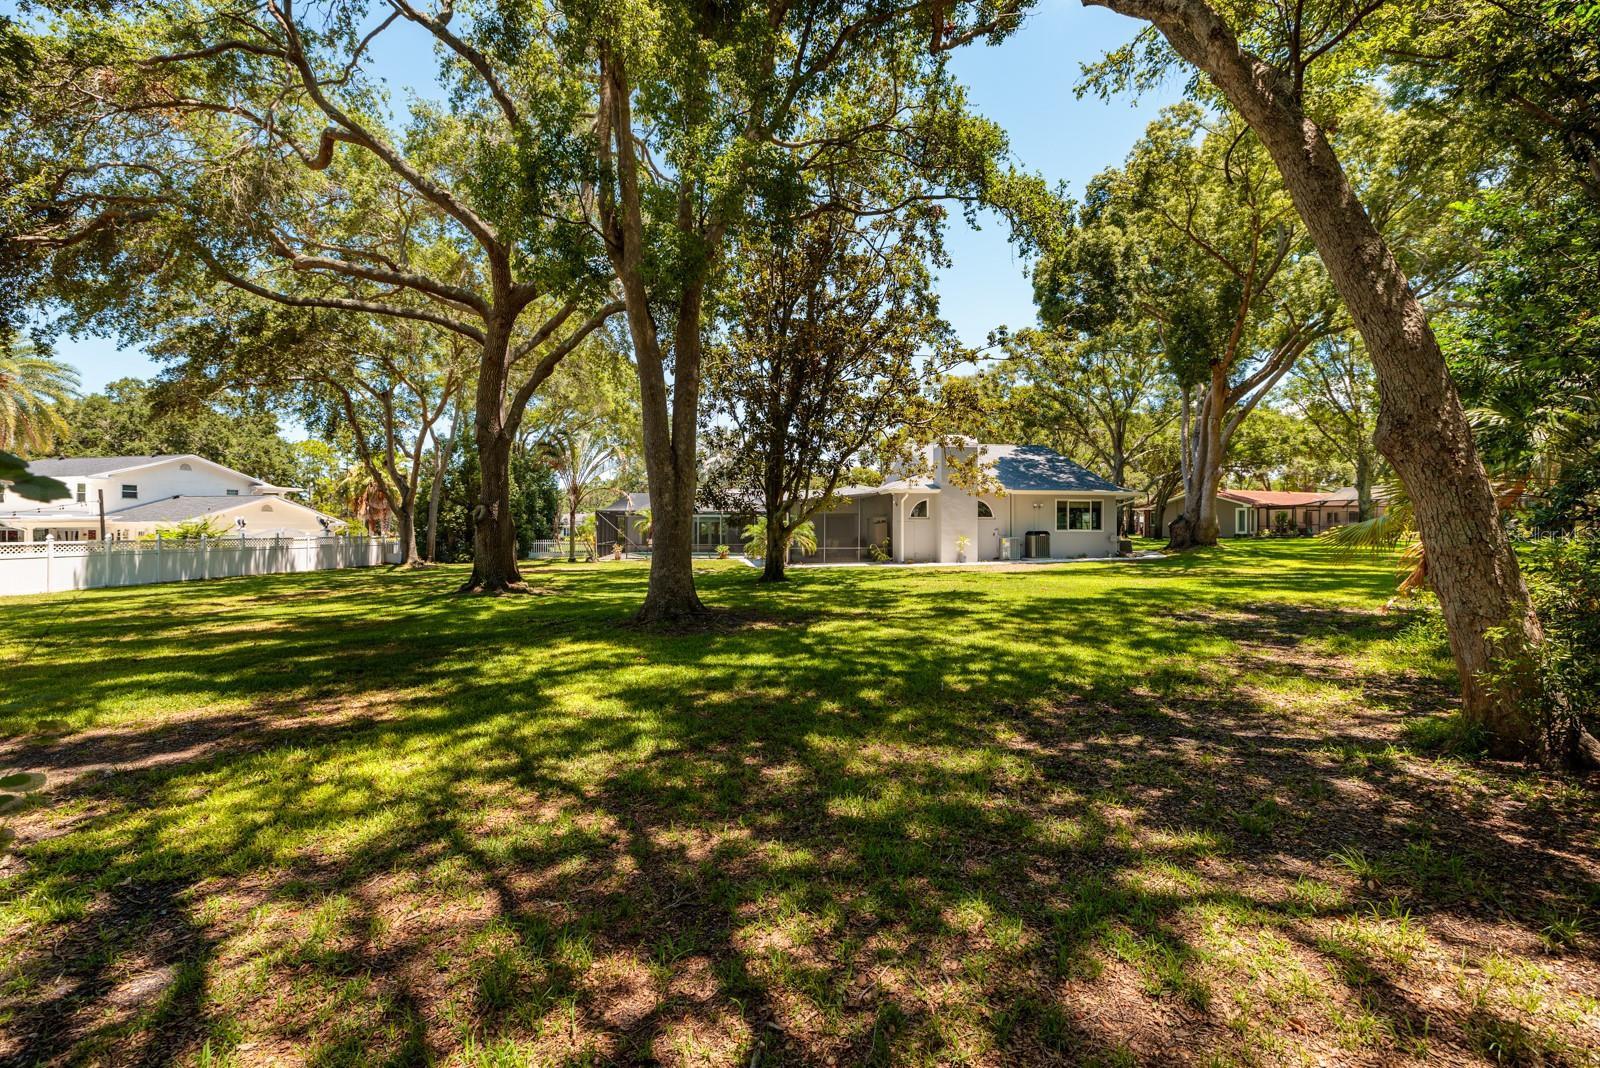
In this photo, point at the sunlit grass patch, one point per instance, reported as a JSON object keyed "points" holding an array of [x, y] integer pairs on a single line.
{"points": [[1085, 814]]}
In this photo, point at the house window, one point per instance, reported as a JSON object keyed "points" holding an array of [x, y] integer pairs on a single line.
{"points": [[1078, 515], [185, 467], [984, 511], [266, 507], [233, 493], [83, 493], [919, 510], [1241, 520], [130, 492]]}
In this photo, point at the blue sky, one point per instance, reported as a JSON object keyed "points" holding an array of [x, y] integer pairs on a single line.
{"points": [[1025, 84]]}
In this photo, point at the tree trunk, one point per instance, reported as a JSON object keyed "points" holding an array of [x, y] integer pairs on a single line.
{"points": [[406, 525], [670, 594], [441, 467], [572, 530], [494, 535], [670, 418], [1202, 471], [773, 564], [434, 492], [1422, 430], [1364, 481]]}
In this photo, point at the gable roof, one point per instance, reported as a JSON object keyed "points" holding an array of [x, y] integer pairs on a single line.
{"points": [[177, 509], [101, 466], [86, 466], [627, 502], [1025, 468]]}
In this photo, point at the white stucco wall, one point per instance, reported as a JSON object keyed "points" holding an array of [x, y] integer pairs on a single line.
{"points": [[163, 479]]}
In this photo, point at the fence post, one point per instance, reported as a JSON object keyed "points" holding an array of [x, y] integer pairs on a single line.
{"points": [[49, 561], [205, 558]]}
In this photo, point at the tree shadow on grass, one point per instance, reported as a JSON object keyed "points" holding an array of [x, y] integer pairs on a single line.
{"points": [[866, 836]]}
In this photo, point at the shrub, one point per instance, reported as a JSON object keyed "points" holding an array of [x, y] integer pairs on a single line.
{"points": [[1564, 580]]}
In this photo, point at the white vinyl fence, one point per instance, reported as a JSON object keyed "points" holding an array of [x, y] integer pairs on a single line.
{"points": [[51, 566]]}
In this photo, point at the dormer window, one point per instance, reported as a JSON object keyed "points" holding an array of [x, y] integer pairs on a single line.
{"points": [[130, 491]]}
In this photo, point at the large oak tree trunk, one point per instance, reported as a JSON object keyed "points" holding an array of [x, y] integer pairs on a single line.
{"points": [[406, 522], [1422, 430], [494, 534], [1203, 473], [772, 566], [670, 417]]}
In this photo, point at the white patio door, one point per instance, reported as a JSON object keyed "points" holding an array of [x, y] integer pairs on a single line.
{"points": [[989, 531]]}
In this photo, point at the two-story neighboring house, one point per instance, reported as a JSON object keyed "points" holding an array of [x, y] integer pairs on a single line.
{"points": [[136, 496]]}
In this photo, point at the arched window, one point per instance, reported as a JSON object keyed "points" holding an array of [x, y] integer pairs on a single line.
{"points": [[984, 511], [266, 507], [919, 510], [185, 467]]}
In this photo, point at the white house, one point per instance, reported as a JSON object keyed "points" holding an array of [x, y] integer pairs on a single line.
{"points": [[140, 495], [1027, 490]]}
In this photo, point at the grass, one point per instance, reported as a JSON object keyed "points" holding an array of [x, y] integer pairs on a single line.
{"points": [[1095, 814]]}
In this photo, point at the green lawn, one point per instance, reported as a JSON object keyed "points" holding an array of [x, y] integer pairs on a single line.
{"points": [[1190, 810]]}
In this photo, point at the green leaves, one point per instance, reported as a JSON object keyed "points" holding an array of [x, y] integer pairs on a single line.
{"points": [[16, 479]]}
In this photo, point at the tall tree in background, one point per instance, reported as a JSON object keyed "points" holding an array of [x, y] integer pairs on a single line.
{"points": [[835, 332], [711, 119], [1334, 389], [131, 417], [379, 384], [443, 454], [1193, 242], [1106, 400], [165, 149], [1267, 64], [586, 426], [33, 387], [582, 459]]}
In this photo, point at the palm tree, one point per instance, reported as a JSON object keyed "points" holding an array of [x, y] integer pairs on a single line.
{"points": [[1395, 529], [33, 386], [755, 539], [581, 460], [362, 498]]}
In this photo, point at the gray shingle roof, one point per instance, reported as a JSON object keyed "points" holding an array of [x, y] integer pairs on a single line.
{"points": [[628, 502], [1026, 468], [87, 465], [177, 509]]}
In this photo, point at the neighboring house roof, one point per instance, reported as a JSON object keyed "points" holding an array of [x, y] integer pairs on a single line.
{"points": [[628, 502], [102, 466], [183, 507], [1274, 498], [1350, 495], [89, 466]]}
